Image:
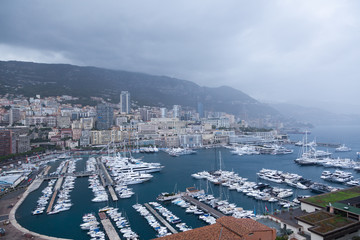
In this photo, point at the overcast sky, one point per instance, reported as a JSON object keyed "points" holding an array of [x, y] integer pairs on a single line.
{"points": [[304, 52]]}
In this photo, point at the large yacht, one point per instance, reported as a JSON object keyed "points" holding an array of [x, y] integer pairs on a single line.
{"points": [[342, 148]]}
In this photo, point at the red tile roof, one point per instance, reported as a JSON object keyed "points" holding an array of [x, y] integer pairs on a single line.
{"points": [[225, 228]]}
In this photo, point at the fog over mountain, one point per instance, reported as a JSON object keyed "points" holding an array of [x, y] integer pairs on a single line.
{"points": [[303, 52]]}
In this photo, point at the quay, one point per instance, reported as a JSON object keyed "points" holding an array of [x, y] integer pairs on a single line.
{"points": [[203, 206], [112, 193], [332, 145], [33, 186], [161, 219], [109, 228]]}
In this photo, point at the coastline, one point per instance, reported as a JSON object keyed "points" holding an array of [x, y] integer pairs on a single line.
{"points": [[14, 230]]}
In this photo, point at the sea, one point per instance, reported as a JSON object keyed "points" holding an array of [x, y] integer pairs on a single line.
{"points": [[176, 176]]}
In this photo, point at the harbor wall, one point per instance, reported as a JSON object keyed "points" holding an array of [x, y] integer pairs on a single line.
{"points": [[14, 222]]}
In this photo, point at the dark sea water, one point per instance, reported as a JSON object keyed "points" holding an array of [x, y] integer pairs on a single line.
{"points": [[177, 173]]}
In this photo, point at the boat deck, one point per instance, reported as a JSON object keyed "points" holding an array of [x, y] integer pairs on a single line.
{"points": [[160, 218], [203, 206]]}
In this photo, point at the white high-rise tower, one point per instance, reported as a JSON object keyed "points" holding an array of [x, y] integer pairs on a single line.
{"points": [[125, 102]]}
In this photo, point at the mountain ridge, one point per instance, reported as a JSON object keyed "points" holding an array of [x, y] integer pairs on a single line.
{"points": [[29, 79]]}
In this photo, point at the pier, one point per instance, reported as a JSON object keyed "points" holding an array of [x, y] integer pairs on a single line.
{"points": [[46, 170], [51, 202], [108, 179], [112, 193], [203, 206], [76, 174], [57, 188], [109, 228], [161, 219]]}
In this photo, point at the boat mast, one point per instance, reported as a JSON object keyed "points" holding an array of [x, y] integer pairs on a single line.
{"points": [[220, 160]]}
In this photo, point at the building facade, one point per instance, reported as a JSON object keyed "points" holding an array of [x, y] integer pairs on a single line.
{"points": [[104, 116], [125, 102]]}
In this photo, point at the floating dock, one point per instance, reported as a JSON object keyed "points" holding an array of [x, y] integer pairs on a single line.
{"points": [[46, 170], [203, 207], [109, 228], [112, 193], [52, 201], [160, 218]]}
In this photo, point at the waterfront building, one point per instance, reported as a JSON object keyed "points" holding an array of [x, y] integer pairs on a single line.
{"points": [[190, 141], [104, 116], [172, 141], [125, 106]]}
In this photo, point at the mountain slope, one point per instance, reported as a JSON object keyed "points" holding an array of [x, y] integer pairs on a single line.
{"points": [[314, 115], [57, 79]]}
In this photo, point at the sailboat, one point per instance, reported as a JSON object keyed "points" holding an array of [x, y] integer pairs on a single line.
{"points": [[305, 158]]}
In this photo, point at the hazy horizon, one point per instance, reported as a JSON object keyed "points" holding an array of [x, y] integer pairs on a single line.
{"points": [[298, 52]]}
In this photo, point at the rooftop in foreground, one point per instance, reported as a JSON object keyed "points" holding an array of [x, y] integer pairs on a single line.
{"points": [[323, 200], [226, 228], [324, 223]]}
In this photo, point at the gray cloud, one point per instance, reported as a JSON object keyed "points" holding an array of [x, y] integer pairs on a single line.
{"points": [[294, 51]]}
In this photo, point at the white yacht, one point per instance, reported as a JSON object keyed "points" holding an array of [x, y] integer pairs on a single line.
{"points": [[342, 148]]}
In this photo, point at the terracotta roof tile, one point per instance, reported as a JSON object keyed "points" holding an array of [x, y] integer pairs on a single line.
{"points": [[230, 228]]}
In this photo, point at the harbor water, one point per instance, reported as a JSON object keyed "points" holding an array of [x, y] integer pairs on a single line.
{"points": [[176, 176]]}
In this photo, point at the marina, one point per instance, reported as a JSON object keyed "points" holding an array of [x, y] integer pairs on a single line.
{"points": [[161, 219], [109, 229], [203, 207], [175, 169], [112, 193]]}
